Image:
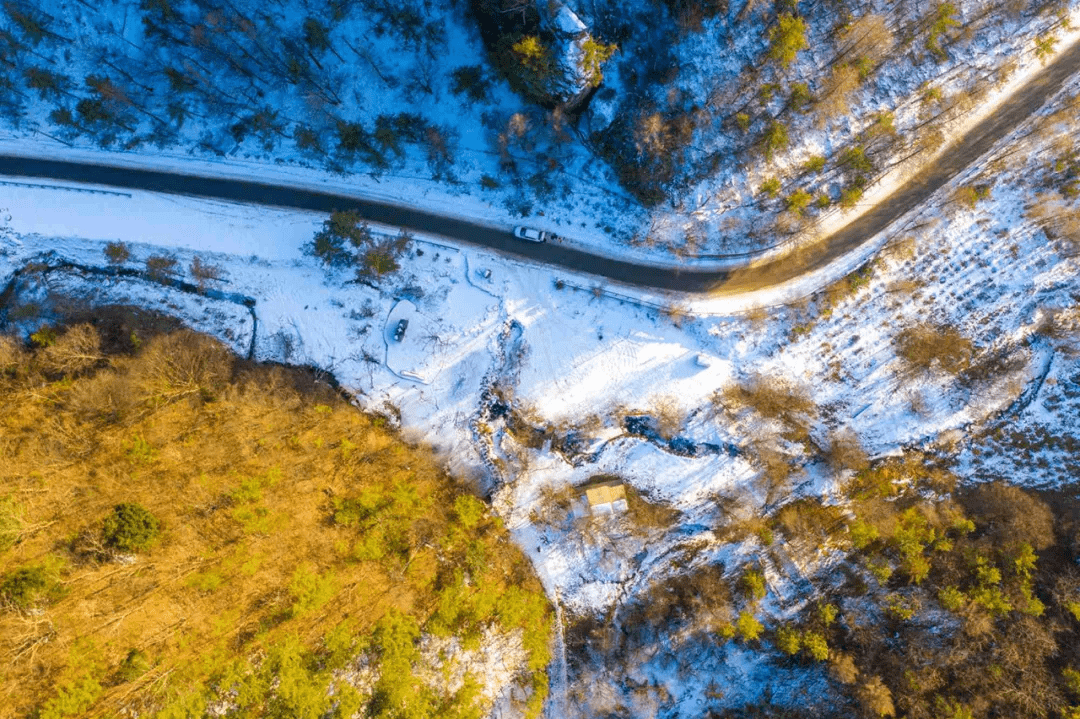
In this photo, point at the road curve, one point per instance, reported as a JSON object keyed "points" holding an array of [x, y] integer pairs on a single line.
{"points": [[1024, 102]]}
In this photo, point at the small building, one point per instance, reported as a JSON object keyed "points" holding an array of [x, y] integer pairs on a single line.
{"points": [[605, 496]]}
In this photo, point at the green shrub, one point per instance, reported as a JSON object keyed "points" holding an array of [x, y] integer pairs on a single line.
{"points": [[945, 15], [800, 96], [970, 195], [469, 510], [788, 641], [798, 201], [45, 337], [770, 187], [470, 81], [139, 451], [815, 645], [900, 607], [765, 535], [787, 38], [11, 522], [855, 159], [850, 196], [24, 586], [77, 691], [1044, 47], [814, 164], [134, 665], [130, 528], [748, 627], [826, 613], [1072, 680], [776, 138], [310, 590], [27, 586], [753, 584], [951, 598]]}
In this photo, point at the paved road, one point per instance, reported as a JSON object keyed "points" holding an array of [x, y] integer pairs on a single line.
{"points": [[696, 281]]}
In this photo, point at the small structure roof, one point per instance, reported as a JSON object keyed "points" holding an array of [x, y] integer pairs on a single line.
{"points": [[606, 496], [605, 492]]}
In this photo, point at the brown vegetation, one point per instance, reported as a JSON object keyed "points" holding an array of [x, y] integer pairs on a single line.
{"points": [[926, 346], [772, 398]]}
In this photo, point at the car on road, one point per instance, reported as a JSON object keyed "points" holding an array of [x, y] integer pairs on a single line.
{"points": [[532, 235], [399, 331]]}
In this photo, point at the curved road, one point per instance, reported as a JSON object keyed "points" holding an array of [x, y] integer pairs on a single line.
{"points": [[1024, 102]]}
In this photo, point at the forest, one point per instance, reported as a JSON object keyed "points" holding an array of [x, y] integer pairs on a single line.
{"points": [[184, 532]]}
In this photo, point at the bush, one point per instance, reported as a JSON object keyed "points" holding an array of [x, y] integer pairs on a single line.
{"points": [[647, 514], [78, 349], [1012, 516], [969, 195], [117, 253], [130, 528], [926, 346], [836, 91], [25, 587], [184, 364], [773, 398], [845, 452], [770, 187], [787, 38], [814, 164], [798, 201], [11, 522], [204, 271], [776, 138], [748, 627], [160, 266], [850, 196], [753, 584]]}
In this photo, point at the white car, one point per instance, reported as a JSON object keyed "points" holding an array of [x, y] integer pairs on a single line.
{"points": [[528, 233]]}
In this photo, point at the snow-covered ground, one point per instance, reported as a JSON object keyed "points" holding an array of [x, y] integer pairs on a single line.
{"points": [[614, 385]]}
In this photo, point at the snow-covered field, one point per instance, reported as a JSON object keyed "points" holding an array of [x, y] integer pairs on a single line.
{"points": [[525, 382]]}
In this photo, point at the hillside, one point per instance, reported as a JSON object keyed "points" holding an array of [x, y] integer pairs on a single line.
{"points": [[184, 532]]}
